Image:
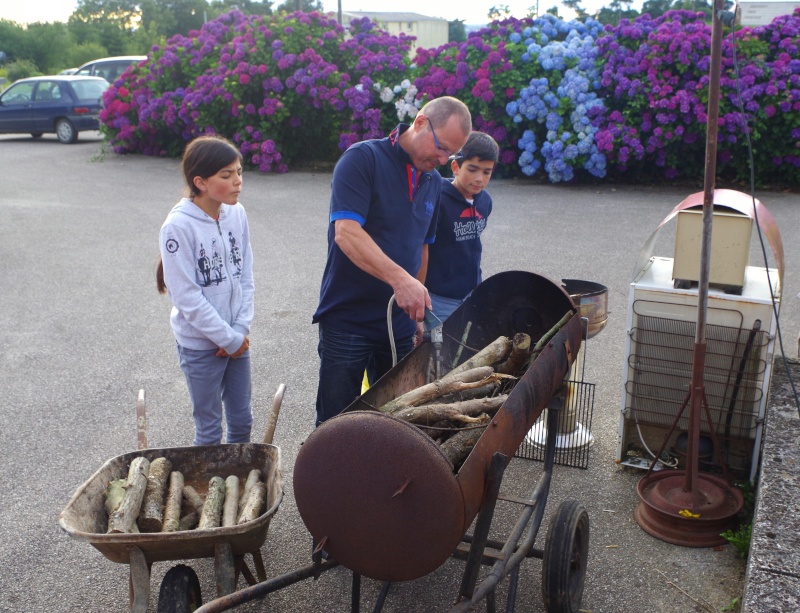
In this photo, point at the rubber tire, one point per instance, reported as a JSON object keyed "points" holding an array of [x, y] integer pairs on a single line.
{"points": [[66, 132], [566, 554], [37, 134], [180, 591]]}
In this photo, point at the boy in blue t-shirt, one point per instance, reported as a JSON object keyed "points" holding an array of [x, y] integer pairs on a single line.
{"points": [[454, 259]]}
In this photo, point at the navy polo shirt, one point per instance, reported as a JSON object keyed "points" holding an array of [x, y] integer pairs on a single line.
{"points": [[454, 260], [375, 184]]}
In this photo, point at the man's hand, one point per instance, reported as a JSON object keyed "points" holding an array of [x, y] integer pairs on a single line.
{"points": [[412, 296], [409, 293]]}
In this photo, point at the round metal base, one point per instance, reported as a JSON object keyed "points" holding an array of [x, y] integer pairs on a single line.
{"points": [[579, 437], [670, 513]]}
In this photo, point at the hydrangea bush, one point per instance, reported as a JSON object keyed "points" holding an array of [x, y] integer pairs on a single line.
{"points": [[655, 88], [563, 99], [283, 88], [530, 84]]}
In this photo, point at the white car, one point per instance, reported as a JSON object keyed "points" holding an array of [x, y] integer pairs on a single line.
{"points": [[109, 68]]}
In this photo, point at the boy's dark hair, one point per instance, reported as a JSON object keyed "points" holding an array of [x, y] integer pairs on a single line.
{"points": [[480, 145]]}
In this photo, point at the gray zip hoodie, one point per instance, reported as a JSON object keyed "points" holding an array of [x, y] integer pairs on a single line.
{"points": [[208, 270]]}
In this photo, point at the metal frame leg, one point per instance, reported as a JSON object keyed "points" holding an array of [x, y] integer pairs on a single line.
{"points": [[483, 525]]}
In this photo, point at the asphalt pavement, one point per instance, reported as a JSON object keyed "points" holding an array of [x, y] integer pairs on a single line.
{"points": [[82, 330]]}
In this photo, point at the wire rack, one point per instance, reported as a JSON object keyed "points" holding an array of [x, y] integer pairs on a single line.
{"points": [[574, 435], [660, 374]]}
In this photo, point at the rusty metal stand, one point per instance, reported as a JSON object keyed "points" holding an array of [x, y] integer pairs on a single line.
{"points": [[686, 507]]}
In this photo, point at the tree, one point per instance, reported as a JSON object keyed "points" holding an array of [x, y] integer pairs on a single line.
{"points": [[498, 11], [248, 7], [173, 16], [553, 10], [12, 36], [290, 6], [47, 45], [456, 31], [575, 5], [656, 8], [106, 22], [612, 13]]}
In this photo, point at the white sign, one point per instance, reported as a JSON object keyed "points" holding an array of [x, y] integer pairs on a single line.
{"points": [[761, 13]]}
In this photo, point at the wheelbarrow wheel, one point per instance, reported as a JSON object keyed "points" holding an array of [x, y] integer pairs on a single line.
{"points": [[565, 556], [180, 591]]}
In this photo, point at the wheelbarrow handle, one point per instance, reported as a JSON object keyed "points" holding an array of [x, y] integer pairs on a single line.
{"points": [[272, 417], [141, 421]]}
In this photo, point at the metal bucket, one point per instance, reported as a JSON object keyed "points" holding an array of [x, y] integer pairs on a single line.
{"points": [[591, 300], [378, 492]]}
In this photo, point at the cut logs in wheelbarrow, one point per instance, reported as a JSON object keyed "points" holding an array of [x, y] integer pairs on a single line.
{"points": [[86, 519]]}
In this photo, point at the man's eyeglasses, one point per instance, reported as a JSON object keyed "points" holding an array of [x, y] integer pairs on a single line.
{"points": [[450, 156]]}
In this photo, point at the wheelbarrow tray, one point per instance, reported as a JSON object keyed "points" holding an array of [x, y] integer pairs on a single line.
{"points": [[85, 519]]}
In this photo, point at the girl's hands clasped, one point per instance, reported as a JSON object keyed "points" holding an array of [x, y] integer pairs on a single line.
{"points": [[221, 353]]}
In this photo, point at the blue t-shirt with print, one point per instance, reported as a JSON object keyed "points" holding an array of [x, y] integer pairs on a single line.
{"points": [[454, 260], [375, 184]]}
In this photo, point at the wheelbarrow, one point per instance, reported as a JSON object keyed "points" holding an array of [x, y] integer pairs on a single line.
{"points": [[85, 519], [381, 498]]}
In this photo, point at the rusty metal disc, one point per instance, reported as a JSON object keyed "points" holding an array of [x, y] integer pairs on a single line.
{"points": [[669, 513], [381, 494]]}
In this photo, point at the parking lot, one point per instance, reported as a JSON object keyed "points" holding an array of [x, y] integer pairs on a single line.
{"points": [[82, 330]]}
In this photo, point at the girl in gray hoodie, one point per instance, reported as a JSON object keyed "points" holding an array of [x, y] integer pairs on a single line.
{"points": [[206, 269]]}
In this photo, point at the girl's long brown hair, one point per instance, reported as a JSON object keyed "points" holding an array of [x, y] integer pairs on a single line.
{"points": [[204, 157]]}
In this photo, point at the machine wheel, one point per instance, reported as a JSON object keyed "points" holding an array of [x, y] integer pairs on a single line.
{"points": [[66, 132], [180, 591], [566, 553]]}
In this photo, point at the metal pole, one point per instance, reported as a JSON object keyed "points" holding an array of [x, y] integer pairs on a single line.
{"points": [[698, 361]]}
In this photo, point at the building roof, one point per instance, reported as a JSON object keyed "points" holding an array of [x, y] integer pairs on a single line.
{"points": [[391, 17]]}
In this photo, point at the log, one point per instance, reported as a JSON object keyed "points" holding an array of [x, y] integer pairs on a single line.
{"points": [[151, 515], [446, 385], [254, 504], [458, 446], [542, 342], [494, 352], [230, 508], [476, 392], [521, 349], [193, 500], [172, 507], [212, 508], [463, 412], [253, 477], [188, 521], [115, 492], [124, 518]]}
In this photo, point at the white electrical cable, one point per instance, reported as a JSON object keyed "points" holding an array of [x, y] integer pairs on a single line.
{"points": [[672, 463], [391, 331]]}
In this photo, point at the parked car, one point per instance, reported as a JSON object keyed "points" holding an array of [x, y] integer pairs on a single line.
{"points": [[109, 67], [69, 71], [62, 104]]}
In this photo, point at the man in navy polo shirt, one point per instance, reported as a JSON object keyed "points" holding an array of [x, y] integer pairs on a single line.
{"points": [[383, 211]]}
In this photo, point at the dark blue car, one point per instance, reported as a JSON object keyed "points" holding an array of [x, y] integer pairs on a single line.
{"points": [[64, 105]]}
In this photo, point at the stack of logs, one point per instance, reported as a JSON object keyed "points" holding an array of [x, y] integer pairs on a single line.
{"points": [[455, 409], [154, 498]]}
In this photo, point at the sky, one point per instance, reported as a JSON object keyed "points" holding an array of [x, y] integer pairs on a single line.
{"points": [[471, 12]]}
